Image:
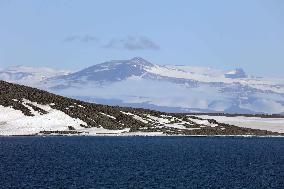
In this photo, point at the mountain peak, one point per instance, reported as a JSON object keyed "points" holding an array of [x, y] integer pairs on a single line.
{"points": [[140, 61]]}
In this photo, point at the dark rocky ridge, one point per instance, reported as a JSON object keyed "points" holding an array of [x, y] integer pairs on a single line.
{"points": [[92, 114]]}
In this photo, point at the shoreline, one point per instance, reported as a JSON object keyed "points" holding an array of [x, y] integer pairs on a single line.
{"points": [[115, 135]]}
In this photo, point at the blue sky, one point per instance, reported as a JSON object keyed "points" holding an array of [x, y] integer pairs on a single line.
{"points": [[74, 34]]}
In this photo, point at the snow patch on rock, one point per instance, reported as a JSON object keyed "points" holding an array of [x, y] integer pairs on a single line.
{"points": [[14, 122]]}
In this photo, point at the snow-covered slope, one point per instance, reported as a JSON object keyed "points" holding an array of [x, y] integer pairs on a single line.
{"points": [[14, 122], [172, 88], [29, 111]]}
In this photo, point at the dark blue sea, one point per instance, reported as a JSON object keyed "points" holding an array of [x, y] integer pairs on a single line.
{"points": [[141, 162]]}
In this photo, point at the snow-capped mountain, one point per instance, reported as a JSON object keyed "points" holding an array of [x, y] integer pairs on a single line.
{"points": [[113, 71], [172, 88]]}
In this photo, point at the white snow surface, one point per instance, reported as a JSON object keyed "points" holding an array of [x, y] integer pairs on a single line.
{"points": [[112, 117], [210, 75], [14, 122], [269, 124]]}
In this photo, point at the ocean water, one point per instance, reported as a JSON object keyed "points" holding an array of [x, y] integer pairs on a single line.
{"points": [[141, 162]]}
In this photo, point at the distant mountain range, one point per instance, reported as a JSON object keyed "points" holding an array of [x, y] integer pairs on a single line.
{"points": [[171, 88]]}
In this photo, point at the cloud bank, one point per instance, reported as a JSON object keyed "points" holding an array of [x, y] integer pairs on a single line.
{"points": [[132, 43], [129, 43]]}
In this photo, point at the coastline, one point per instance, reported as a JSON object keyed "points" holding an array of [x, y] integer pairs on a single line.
{"points": [[136, 135]]}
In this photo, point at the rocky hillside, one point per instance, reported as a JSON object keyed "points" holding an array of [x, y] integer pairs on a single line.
{"points": [[29, 111]]}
